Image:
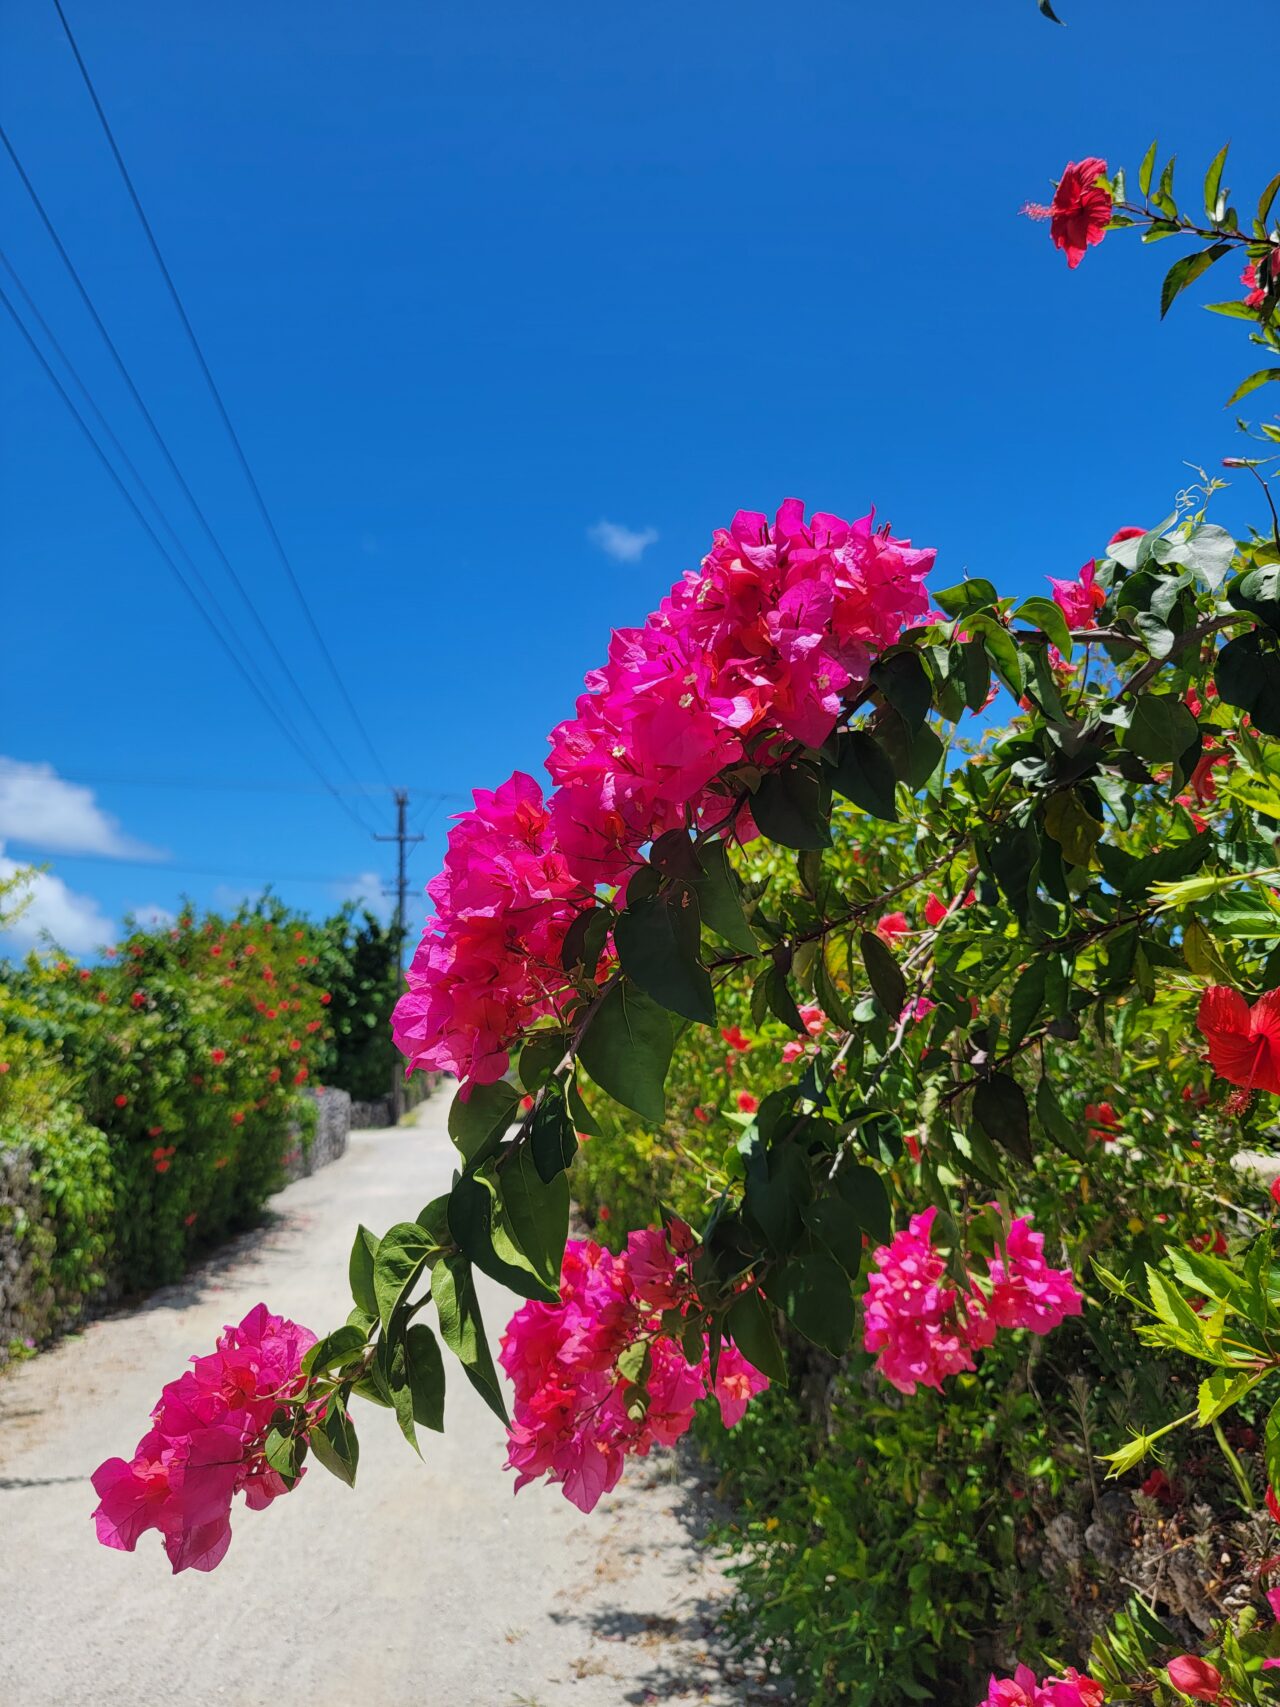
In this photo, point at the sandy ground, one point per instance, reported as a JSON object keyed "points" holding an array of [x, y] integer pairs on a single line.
{"points": [[429, 1584]]}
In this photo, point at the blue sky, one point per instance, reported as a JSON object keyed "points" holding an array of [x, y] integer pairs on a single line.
{"points": [[475, 281]]}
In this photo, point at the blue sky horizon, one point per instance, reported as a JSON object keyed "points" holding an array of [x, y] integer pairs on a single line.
{"points": [[511, 310]]}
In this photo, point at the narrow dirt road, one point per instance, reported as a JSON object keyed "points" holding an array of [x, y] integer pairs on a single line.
{"points": [[430, 1583]]}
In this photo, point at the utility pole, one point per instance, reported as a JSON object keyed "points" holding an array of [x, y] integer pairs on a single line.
{"points": [[402, 838]]}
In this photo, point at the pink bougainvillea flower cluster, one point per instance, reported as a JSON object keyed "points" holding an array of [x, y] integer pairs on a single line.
{"points": [[489, 963], [577, 1417], [205, 1446], [1079, 599], [1023, 1690], [759, 648], [1080, 211], [921, 1330]]}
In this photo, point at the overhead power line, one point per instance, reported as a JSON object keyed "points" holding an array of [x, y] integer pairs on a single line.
{"points": [[161, 442], [171, 563], [216, 395]]}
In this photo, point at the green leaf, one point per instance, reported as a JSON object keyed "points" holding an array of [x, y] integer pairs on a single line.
{"points": [[1161, 728], [864, 1191], [1147, 169], [425, 1368], [345, 1345], [884, 974], [1047, 10], [915, 756], [462, 1328], [792, 806], [966, 596], [1208, 551], [813, 1293], [1026, 999], [478, 1118], [1013, 856], [865, 775], [1271, 1446], [834, 1224], [658, 941], [781, 1003], [1264, 376], [393, 1372], [1221, 1390], [627, 1049], [283, 1455], [1177, 860], [400, 1260], [1000, 1110], [1074, 828], [1002, 649], [1247, 675], [1174, 1311], [334, 1442], [537, 1213], [360, 1270], [1055, 1123], [1213, 181], [720, 898], [750, 1326], [1047, 616], [1258, 592], [904, 683], [553, 1142], [1266, 198], [479, 1229], [1186, 271]]}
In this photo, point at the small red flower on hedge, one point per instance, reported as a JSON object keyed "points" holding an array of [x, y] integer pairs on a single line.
{"points": [[892, 926], [217, 1056], [1195, 1677], [747, 1104], [274, 1074], [237, 1119], [1080, 210], [313, 1025], [162, 1166], [1244, 1041], [122, 1101], [325, 998], [300, 1077], [736, 1038], [294, 1044]]}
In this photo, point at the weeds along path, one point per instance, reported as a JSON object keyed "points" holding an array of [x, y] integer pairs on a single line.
{"points": [[429, 1583]]}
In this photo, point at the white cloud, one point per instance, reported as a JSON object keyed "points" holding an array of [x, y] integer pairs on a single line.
{"points": [[39, 807], [75, 922], [366, 891], [154, 918], [627, 545]]}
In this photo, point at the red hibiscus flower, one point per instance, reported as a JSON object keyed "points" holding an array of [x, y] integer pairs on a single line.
{"points": [[747, 1104], [736, 1038], [1080, 210], [1244, 1041]]}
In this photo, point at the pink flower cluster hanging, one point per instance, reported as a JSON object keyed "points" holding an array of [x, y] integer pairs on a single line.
{"points": [[922, 1330], [760, 648], [577, 1416], [205, 1446], [1023, 1690]]}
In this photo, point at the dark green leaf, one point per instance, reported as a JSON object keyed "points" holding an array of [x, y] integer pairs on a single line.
{"points": [[345, 1345], [1147, 170], [915, 757], [720, 898], [1177, 860], [750, 1326], [792, 806], [813, 1293], [966, 596], [1258, 592], [865, 775], [1161, 728], [537, 1213], [627, 1050], [401, 1257], [553, 1142], [658, 942], [1026, 999], [833, 1222], [462, 1329], [425, 1368], [479, 1230], [1248, 676], [1055, 1123], [883, 973], [781, 1003], [360, 1270], [1000, 1110], [904, 682], [863, 1189], [1047, 616], [479, 1116], [1213, 181], [1186, 271], [334, 1442]]}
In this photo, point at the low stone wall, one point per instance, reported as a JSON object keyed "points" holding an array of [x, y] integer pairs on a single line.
{"points": [[329, 1139], [28, 1304], [387, 1110]]}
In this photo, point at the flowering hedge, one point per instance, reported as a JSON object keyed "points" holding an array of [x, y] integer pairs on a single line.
{"points": [[1102, 867]]}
